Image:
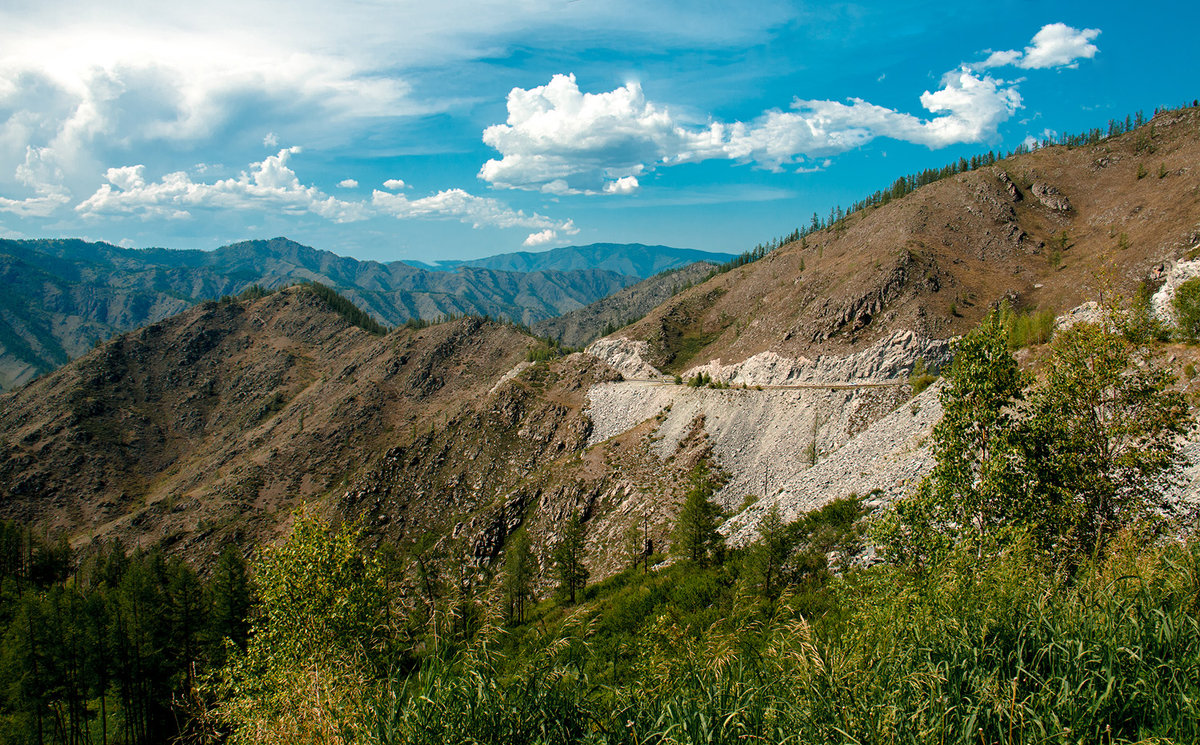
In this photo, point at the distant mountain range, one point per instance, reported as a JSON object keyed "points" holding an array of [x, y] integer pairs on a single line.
{"points": [[63, 296], [633, 259]]}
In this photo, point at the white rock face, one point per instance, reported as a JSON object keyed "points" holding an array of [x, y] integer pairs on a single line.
{"points": [[517, 370], [1089, 312], [764, 438], [892, 456], [627, 356], [760, 438], [887, 360], [1160, 303]]}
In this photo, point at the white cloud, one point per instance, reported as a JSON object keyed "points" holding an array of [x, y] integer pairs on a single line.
{"points": [[458, 204], [41, 174], [347, 183], [268, 185], [1054, 45], [540, 238], [271, 185], [560, 140], [270, 139], [623, 185], [395, 184]]}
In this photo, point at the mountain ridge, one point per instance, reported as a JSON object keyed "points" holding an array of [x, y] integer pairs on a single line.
{"points": [[468, 431], [67, 295], [634, 259]]}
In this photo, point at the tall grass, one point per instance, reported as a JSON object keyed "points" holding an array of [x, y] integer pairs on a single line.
{"points": [[997, 649]]}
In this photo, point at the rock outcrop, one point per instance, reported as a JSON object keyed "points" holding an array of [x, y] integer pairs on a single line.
{"points": [[1051, 197], [626, 356], [889, 359], [1177, 274]]}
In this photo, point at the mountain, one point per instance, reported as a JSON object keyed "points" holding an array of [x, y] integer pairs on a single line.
{"points": [[1047, 230], [208, 426], [633, 259], [578, 327], [63, 296], [211, 425]]}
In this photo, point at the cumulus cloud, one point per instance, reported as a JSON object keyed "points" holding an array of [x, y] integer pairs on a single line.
{"points": [[540, 238], [1055, 45], [177, 88], [623, 185], [268, 185], [347, 183], [272, 185], [468, 208], [395, 184], [41, 174], [560, 140]]}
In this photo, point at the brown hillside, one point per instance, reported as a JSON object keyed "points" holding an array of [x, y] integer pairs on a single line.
{"points": [[207, 425], [1048, 229], [211, 425]]}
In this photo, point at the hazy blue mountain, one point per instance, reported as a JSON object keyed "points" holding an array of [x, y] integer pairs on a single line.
{"points": [[633, 259], [62, 296]]}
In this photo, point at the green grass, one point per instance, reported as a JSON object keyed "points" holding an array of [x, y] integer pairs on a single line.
{"points": [[996, 650]]}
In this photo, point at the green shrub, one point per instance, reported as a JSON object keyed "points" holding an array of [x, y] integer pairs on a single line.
{"points": [[920, 378], [1026, 328], [1186, 304]]}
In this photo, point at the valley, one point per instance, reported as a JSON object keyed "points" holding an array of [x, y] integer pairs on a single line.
{"points": [[797, 395]]}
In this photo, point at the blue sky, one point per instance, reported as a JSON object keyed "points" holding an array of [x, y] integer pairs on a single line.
{"points": [[405, 130]]}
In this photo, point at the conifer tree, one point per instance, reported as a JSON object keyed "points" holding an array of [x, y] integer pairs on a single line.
{"points": [[228, 604], [766, 559], [518, 576], [568, 560], [695, 536]]}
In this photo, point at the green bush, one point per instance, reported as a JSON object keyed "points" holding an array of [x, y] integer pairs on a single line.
{"points": [[1186, 304], [920, 378], [1026, 328]]}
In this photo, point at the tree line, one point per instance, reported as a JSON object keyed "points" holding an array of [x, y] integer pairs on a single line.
{"points": [[105, 646]]}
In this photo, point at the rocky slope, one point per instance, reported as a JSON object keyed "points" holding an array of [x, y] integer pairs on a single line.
{"points": [[211, 426], [783, 419], [1048, 229], [64, 296], [205, 425]]}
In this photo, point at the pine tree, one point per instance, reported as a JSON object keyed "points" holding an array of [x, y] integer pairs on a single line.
{"points": [[766, 559], [228, 605], [518, 576], [695, 536], [568, 560]]}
